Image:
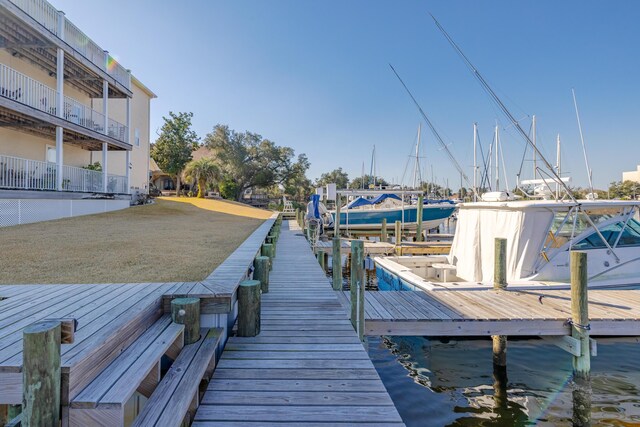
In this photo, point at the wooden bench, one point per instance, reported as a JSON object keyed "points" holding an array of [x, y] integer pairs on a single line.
{"points": [[137, 368], [178, 395]]}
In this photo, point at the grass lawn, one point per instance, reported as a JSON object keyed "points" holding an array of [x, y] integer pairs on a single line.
{"points": [[173, 240]]}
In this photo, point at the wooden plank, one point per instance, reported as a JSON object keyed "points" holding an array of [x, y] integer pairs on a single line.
{"points": [[304, 398], [296, 385], [298, 413], [257, 374]]}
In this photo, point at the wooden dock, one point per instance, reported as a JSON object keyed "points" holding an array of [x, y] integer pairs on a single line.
{"points": [[384, 248], [504, 312], [307, 366]]}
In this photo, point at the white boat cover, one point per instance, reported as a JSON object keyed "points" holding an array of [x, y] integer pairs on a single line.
{"points": [[472, 251]]}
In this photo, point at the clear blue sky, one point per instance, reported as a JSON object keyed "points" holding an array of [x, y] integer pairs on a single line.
{"points": [[314, 75]]}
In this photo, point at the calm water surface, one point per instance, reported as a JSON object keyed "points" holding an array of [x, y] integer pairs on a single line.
{"points": [[435, 383]]}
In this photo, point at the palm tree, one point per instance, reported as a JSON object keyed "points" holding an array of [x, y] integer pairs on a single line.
{"points": [[203, 170]]}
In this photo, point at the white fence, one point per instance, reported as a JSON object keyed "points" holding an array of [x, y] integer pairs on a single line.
{"points": [[24, 89], [47, 16], [18, 173]]}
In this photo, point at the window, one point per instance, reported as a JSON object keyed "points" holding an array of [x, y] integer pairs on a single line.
{"points": [[51, 154], [136, 137], [630, 236]]}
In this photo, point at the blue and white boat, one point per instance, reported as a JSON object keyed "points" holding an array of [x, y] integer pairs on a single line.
{"points": [[367, 211]]}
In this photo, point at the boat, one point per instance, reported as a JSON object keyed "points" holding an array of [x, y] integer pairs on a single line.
{"points": [[540, 236], [369, 208]]}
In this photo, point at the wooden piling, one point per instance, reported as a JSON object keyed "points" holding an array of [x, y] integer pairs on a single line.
{"points": [[356, 285], [249, 308], [298, 217], [320, 257], [500, 264], [383, 231], [261, 272], [398, 236], [500, 282], [336, 264], [41, 374], [186, 311], [580, 314], [420, 207], [336, 223], [499, 350], [266, 250]]}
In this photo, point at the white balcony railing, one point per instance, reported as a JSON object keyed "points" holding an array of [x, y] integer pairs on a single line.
{"points": [[47, 16], [24, 89], [17, 173]]}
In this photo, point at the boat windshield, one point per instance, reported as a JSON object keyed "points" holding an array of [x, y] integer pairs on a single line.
{"points": [[616, 234], [568, 225]]}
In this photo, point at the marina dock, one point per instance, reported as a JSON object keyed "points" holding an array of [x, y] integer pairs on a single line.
{"points": [[504, 312], [307, 365]]}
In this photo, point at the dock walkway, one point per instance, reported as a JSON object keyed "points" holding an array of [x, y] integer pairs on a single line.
{"points": [[307, 366]]}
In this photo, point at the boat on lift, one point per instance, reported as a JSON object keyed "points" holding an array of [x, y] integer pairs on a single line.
{"points": [[369, 208]]}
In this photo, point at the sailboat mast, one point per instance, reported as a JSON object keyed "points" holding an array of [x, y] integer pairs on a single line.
{"points": [[416, 167], [475, 162], [533, 138], [558, 166], [362, 176], [497, 160]]}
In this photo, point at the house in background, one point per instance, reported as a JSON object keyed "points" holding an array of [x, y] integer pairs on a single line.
{"points": [[632, 175], [65, 103]]}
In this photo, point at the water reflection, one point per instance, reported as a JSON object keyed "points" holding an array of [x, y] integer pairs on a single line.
{"points": [[453, 383]]}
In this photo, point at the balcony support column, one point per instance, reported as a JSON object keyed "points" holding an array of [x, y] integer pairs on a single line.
{"points": [[60, 106], [105, 146], [128, 171]]}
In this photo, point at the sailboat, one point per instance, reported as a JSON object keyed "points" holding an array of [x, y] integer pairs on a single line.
{"points": [[369, 208]]}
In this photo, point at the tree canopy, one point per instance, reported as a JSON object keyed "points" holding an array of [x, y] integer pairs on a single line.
{"points": [[203, 171], [248, 160], [624, 190], [368, 180], [337, 176], [173, 148]]}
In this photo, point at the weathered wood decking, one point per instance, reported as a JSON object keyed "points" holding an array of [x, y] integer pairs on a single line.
{"points": [[307, 366], [489, 312]]}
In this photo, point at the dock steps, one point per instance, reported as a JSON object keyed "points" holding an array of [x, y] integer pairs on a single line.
{"points": [[178, 394], [137, 368]]}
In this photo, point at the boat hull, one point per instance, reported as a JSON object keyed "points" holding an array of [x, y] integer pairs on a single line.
{"points": [[432, 216]]}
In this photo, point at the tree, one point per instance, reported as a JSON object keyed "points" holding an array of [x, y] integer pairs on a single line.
{"points": [[175, 143], [624, 190], [368, 181], [203, 171], [247, 160], [297, 186], [337, 176]]}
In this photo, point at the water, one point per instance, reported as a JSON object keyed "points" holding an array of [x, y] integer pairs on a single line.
{"points": [[436, 382]]}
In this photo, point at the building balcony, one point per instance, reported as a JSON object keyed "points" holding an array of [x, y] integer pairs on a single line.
{"points": [[25, 174], [21, 89], [33, 29]]}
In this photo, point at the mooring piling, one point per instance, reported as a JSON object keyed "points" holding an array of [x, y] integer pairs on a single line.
{"points": [[357, 287], [41, 374], [580, 327], [186, 311], [383, 231], [420, 207], [261, 272], [249, 308], [336, 264]]}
